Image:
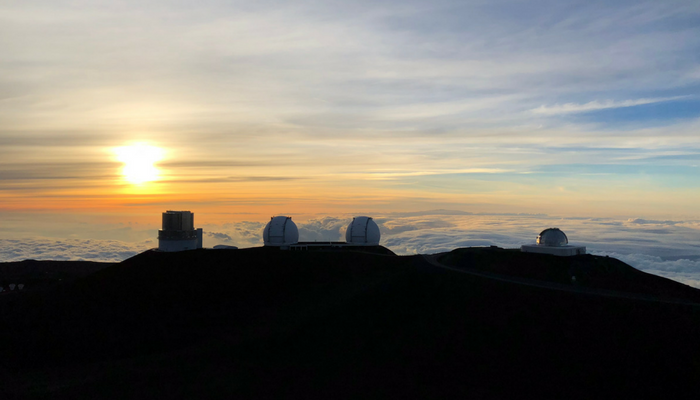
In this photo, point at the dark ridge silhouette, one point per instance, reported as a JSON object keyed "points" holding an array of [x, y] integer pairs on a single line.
{"points": [[340, 247], [261, 323], [585, 271], [38, 275]]}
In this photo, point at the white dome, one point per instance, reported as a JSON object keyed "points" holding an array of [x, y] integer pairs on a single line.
{"points": [[280, 231], [363, 230], [552, 237]]}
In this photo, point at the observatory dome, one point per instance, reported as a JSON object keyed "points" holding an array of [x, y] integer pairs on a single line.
{"points": [[280, 231], [552, 237], [363, 230]]}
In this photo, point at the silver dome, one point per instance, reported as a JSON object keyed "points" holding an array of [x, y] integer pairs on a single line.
{"points": [[363, 230], [552, 237], [280, 231]]}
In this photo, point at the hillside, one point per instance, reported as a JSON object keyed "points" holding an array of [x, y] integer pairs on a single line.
{"points": [[260, 323], [604, 274], [40, 275]]}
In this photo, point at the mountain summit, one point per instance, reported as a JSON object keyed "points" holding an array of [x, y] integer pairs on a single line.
{"points": [[264, 323]]}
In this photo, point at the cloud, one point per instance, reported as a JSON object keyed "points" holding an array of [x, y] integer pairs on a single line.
{"points": [[241, 234], [323, 229], [682, 270], [335, 93], [219, 236], [569, 108], [71, 249], [641, 221], [396, 226], [666, 248]]}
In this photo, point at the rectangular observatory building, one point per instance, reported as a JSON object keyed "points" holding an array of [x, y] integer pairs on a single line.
{"points": [[178, 233]]}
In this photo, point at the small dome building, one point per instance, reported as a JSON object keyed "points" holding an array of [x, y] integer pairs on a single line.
{"points": [[553, 241], [281, 231], [552, 237], [363, 231]]}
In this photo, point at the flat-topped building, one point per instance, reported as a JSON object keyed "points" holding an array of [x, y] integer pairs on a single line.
{"points": [[178, 233]]}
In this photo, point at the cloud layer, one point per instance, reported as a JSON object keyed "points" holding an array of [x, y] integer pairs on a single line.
{"points": [[669, 248], [71, 249]]}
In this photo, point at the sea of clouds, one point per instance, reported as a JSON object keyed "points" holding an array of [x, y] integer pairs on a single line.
{"points": [[663, 247], [70, 249]]}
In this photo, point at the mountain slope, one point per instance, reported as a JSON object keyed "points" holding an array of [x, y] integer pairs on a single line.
{"points": [[259, 323]]}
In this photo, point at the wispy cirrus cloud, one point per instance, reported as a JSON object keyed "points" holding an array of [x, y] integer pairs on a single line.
{"points": [[569, 108]]}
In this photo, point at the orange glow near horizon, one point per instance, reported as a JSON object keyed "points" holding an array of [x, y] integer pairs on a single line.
{"points": [[232, 201], [145, 179]]}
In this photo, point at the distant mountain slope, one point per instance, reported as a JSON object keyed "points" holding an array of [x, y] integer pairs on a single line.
{"points": [[261, 323], [583, 271]]}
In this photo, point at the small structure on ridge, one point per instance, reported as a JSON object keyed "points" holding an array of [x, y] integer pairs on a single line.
{"points": [[553, 241]]}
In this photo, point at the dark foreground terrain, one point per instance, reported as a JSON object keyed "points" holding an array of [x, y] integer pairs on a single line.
{"points": [[41, 275], [259, 323]]}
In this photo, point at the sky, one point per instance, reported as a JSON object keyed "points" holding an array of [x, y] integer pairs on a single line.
{"points": [[112, 112]]}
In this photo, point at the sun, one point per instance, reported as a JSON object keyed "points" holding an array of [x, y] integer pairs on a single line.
{"points": [[139, 162]]}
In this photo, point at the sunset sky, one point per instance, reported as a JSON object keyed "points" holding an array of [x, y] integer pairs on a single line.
{"points": [[241, 110]]}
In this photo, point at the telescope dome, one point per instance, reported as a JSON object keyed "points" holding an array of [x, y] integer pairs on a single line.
{"points": [[552, 237], [280, 231], [363, 230]]}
